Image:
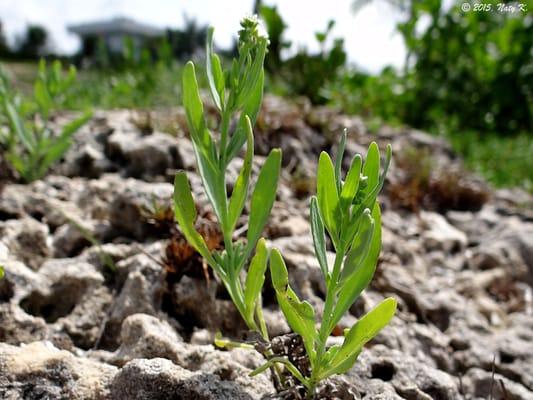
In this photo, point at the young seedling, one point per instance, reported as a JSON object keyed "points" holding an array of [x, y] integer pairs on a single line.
{"points": [[238, 91], [348, 211], [31, 145]]}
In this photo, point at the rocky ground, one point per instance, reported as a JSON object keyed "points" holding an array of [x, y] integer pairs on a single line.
{"points": [[103, 299]]}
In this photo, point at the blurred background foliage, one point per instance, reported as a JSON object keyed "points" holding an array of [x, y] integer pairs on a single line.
{"points": [[468, 76]]}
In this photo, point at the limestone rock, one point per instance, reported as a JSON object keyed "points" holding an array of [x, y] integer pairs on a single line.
{"points": [[27, 240], [440, 235], [144, 336], [160, 379], [39, 370]]}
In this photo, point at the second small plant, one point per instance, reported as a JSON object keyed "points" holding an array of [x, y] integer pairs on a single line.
{"points": [[348, 211], [31, 145]]}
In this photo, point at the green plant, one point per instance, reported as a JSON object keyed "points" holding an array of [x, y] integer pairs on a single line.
{"points": [[472, 69], [350, 214], [30, 143], [2, 273], [347, 210], [504, 161], [238, 90]]}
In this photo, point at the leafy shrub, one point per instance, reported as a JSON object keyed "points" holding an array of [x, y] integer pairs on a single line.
{"points": [[472, 68], [32, 44], [464, 71], [30, 144], [374, 97]]}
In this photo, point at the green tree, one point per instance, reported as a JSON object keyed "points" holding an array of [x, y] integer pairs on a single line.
{"points": [[474, 68], [33, 44], [4, 48]]}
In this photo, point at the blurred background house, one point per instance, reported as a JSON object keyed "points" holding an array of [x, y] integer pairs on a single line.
{"points": [[113, 35]]}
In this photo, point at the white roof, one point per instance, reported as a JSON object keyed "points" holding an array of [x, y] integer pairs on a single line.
{"points": [[119, 25]]}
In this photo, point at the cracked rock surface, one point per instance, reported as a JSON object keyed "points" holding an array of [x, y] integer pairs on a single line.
{"points": [[103, 299]]}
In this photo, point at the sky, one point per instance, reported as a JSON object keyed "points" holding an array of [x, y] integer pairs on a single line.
{"points": [[370, 37]]}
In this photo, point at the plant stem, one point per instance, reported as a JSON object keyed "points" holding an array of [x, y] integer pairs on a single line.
{"points": [[261, 318], [328, 308], [275, 369]]}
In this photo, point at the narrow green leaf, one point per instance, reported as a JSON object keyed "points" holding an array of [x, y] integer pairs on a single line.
{"points": [[360, 246], [281, 360], [330, 354], [73, 126], [300, 315], [253, 104], [54, 151], [343, 366], [185, 213], [328, 198], [253, 74], [371, 166], [237, 140], [54, 148], [2, 272], [42, 97], [240, 189], [214, 185], [16, 124], [251, 109], [388, 158], [351, 184], [278, 270], [234, 76], [263, 197], [362, 332], [218, 74], [319, 238], [369, 200], [185, 207], [357, 282], [23, 167], [338, 161], [222, 343], [212, 75], [194, 110], [255, 278]]}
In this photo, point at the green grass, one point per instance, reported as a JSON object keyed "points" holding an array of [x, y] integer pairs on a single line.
{"points": [[503, 161], [152, 86], [157, 87], [22, 74]]}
